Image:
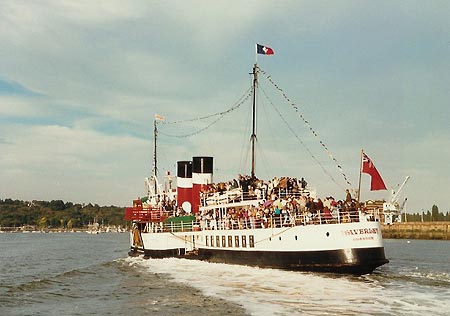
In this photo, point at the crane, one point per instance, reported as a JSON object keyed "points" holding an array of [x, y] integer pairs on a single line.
{"points": [[392, 208]]}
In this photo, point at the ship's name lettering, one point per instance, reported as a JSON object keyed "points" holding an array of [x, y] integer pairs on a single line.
{"points": [[360, 231]]}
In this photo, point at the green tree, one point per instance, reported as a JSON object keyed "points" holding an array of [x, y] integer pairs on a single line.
{"points": [[434, 213], [14, 213], [57, 205], [42, 223]]}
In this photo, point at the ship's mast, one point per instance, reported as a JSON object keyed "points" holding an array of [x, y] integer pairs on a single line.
{"points": [[253, 136], [155, 168]]}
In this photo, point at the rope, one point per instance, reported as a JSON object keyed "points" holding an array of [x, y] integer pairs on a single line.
{"points": [[301, 142], [243, 99], [296, 108]]}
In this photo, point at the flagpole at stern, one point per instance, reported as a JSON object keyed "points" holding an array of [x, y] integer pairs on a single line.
{"points": [[360, 173]]}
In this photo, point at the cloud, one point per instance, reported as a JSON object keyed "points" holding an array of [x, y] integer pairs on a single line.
{"points": [[365, 75], [13, 106], [52, 160]]}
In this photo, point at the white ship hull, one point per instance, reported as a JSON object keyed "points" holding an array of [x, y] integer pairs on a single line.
{"points": [[347, 247]]}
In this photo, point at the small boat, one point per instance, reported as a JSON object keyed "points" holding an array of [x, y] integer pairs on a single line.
{"points": [[271, 224], [93, 229]]}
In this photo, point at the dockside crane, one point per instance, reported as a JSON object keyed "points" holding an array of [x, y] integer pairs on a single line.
{"points": [[392, 210]]}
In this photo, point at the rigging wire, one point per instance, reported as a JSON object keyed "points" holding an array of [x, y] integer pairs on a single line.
{"points": [[264, 159], [245, 148], [243, 98], [301, 141], [270, 141], [296, 108]]}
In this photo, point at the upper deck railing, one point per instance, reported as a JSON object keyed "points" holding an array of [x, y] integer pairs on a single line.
{"points": [[234, 209], [238, 195], [268, 222]]}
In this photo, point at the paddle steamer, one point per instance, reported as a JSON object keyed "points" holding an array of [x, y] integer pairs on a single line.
{"points": [[241, 222]]}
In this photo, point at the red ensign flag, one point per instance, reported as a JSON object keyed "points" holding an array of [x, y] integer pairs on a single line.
{"points": [[368, 167]]}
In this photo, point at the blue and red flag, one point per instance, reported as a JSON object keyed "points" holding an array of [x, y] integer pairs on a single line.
{"points": [[264, 50]]}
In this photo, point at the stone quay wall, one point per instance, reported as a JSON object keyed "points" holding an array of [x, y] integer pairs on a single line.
{"points": [[417, 230]]}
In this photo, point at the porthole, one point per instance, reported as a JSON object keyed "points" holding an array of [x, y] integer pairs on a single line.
{"points": [[328, 234]]}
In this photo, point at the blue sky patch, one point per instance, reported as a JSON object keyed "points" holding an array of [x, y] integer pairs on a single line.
{"points": [[14, 88]]}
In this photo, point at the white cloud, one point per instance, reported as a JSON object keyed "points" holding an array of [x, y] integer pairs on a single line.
{"points": [[15, 106], [105, 67], [42, 159]]}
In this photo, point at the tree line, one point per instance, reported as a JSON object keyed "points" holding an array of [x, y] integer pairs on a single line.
{"points": [[60, 214], [429, 216], [57, 214]]}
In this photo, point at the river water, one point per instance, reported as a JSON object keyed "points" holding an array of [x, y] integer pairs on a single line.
{"points": [[83, 274]]}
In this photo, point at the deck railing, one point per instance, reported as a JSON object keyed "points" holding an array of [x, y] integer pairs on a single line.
{"points": [[238, 195], [276, 221]]}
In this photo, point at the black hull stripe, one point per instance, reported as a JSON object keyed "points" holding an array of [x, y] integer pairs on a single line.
{"points": [[355, 261]]}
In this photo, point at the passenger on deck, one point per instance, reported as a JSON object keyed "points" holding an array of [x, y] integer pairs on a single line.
{"points": [[303, 183], [252, 217], [258, 193], [302, 203], [277, 214], [327, 217], [269, 189], [319, 204], [244, 183], [348, 197], [213, 222]]}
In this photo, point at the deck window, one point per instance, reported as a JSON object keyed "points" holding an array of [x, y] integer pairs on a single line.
{"points": [[236, 241], [217, 241], [230, 241], [244, 241], [251, 240], [224, 242]]}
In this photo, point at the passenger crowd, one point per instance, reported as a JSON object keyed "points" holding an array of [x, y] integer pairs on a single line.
{"points": [[255, 188], [284, 202]]}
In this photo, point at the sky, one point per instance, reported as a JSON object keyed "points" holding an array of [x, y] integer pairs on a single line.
{"points": [[81, 81]]}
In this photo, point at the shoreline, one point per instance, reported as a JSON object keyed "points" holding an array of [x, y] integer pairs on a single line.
{"points": [[404, 230], [60, 230]]}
